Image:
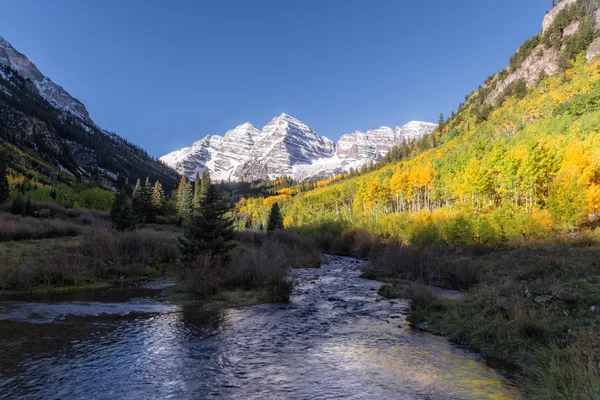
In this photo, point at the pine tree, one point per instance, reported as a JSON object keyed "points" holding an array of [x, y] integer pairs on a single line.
{"points": [[158, 198], [127, 187], [206, 182], [441, 123], [275, 219], [120, 213], [182, 184], [28, 208], [185, 202], [137, 202], [147, 208], [210, 231], [4, 188], [18, 206], [197, 192]]}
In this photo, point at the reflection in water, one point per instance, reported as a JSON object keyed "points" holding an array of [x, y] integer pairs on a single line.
{"points": [[125, 344]]}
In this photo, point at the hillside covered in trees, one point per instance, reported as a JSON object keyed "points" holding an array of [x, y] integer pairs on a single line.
{"points": [[526, 166]]}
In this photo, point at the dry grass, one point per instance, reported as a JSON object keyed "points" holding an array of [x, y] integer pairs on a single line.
{"points": [[99, 254], [14, 227], [439, 265]]}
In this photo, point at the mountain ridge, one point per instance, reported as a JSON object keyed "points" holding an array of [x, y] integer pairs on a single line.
{"points": [[49, 135], [288, 147]]}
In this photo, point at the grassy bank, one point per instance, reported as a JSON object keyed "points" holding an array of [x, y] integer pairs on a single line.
{"points": [[76, 249], [534, 305], [256, 271], [97, 255]]}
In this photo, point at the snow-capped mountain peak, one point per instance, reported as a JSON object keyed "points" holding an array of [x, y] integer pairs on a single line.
{"points": [[287, 147]]}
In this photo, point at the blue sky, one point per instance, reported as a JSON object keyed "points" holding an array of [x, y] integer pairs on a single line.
{"points": [[165, 73]]}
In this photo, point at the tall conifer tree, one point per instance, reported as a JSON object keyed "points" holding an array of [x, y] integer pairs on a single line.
{"points": [[210, 231], [275, 219], [4, 189], [158, 198], [197, 192]]}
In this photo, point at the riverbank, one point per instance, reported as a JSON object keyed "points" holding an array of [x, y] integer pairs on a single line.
{"points": [[336, 338], [54, 254], [533, 305]]}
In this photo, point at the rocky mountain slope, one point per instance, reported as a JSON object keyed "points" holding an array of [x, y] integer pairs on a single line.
{"points": [[287, 147], [49, 135]]}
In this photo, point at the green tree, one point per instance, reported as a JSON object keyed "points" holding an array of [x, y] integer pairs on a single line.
{"points": [[137, 202], [158, 198], [566, 202], [185, 201], [206, 182], [147, 207], [275, 219], [197, 191], [4, 189], [210, 230], [120, 213], [127, 187]]}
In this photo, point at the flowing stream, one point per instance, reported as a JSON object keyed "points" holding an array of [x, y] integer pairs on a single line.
{"points": [[336, 340]]}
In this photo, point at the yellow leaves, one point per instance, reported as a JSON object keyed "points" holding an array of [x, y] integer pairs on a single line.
{"points": [[12, 180], [592, 197], [408, 179], [327, 182], [542, 219], [287, 192], [288, 222]]}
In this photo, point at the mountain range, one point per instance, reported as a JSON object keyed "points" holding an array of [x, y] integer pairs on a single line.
{"points": [[287, 147], [50, 136]]}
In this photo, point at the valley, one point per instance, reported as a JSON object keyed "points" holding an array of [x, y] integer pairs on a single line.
{"points": [[455, 259]]}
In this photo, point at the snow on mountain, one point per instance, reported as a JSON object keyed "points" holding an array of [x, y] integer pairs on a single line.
{"points": [[49, 90], [287, 147]]}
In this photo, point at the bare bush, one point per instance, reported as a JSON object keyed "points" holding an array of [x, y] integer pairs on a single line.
{"points": [[136, 253], [14, 227], [432, 265]]}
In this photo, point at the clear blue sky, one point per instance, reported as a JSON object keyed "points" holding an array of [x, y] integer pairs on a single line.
{"points": [[165, 73]]}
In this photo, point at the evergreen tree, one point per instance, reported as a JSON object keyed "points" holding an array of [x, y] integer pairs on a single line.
{"points": [[127, 187], [185, 202], [210, 231], [17, 206], [206, 183], [158, 198], [28, 208], [275, 219], [197, 192], [147, 207], [137, 202], [4, 189], [120, 213], [182, 184], [441, 123]]}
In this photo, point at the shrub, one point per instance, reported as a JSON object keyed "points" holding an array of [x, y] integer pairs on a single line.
{"points": [[418, 296], [355, 242], [457, 231], [203, 278], [424, 235], [128, 254], [26, 228], [432, 266]]}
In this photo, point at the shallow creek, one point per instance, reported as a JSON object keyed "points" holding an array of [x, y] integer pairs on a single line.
{"points": [[336, 340]]}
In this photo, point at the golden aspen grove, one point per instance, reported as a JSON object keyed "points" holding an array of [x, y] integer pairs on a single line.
{"points": [[500, 203], [530, 169]]}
